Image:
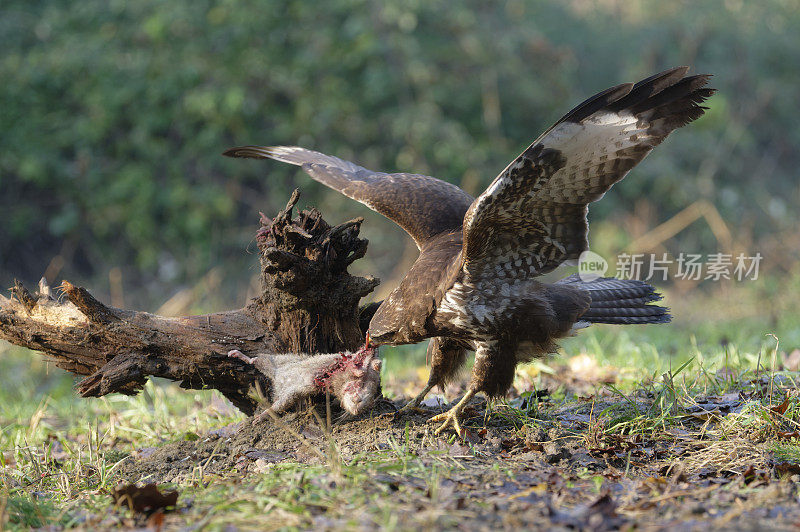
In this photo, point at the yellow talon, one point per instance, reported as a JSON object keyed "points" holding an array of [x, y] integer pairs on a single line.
{"points": [[448, 418], [452, 416]]}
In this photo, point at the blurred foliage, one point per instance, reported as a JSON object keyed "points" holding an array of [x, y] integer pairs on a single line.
{"points": [[114, 114]]}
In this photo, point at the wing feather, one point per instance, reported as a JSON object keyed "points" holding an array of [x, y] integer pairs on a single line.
{"points": [[422, 205], [534, 213]]}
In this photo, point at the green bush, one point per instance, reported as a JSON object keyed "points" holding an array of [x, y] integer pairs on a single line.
{"points": [[114, 114]]}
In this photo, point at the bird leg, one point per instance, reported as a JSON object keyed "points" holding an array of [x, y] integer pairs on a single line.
{"points": [[452, 416], [414, 403], [447, 356]]}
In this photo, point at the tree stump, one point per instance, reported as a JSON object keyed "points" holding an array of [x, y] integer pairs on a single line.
{"points": [[309, 303]]}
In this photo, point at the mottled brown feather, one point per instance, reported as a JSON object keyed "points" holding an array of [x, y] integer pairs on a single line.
{"points": [[422, 205], [535, 209]]}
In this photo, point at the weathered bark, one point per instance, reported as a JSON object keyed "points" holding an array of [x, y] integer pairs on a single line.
{"points": [[309, 303]]}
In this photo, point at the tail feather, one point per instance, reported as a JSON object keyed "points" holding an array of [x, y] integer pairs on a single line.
{"points": [[620, 301], [623, 303]]}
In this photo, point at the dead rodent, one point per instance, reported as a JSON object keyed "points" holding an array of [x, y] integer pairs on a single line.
{"points": [[353, 378]]}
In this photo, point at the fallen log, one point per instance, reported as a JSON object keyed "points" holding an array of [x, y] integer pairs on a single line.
{"points": [[309, 303]]}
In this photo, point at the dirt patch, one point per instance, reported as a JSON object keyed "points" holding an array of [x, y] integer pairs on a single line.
{"points": [[553, 472], [304, 437]]}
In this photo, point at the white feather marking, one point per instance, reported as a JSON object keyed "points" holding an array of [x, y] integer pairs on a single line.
{"points": [[578, 325], [480, 312], [587, 145], [286, 149]]}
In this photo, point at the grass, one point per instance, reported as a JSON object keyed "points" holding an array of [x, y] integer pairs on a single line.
{"points": [[614, 389], [60, 452], [60, 456]]}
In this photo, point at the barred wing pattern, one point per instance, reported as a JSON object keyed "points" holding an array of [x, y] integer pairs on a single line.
{"points": [[532, 217], [424, 206]]}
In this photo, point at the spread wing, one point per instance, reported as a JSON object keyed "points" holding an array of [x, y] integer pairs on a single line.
{"points": [[533, 216], [424, 206]]}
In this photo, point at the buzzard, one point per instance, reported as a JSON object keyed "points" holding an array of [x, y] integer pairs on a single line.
{"points": [[475, 284]]}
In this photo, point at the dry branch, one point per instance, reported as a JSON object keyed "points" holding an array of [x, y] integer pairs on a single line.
{"points": [[309, 303]]}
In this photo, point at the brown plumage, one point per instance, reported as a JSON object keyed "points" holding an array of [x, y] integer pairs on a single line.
{"points": [[474, 284]]}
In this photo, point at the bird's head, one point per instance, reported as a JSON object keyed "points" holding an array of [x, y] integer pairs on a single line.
{"points": [[380, 336]]}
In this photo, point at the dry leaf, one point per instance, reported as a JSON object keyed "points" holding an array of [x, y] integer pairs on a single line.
{"points": [[536, 489], [145, 499], [156, 521], [781, 408]]}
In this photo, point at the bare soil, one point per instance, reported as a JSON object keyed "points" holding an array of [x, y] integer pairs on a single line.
{"points": [[553, 473]]}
